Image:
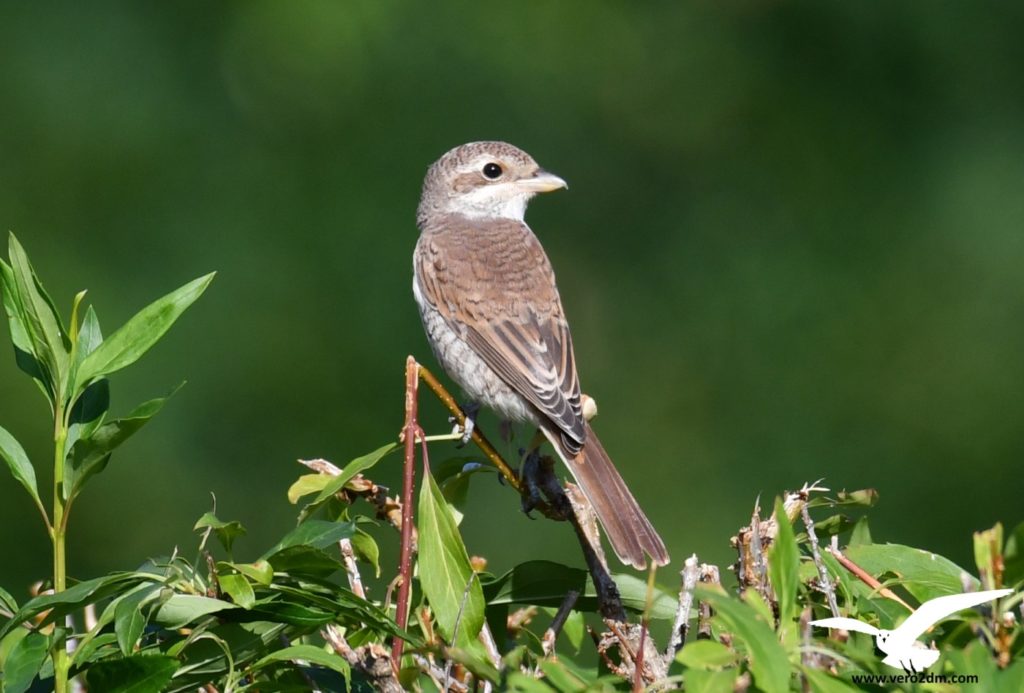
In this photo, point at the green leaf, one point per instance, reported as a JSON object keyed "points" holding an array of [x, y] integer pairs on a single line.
{"points": [[49, 341], [226, 532], [24, 662], [73, 598], [924, 574], [633, 591], [136, 674], [315, 533], [19, 464], [784, 566], [305, 561], [307, 484], [768, 661], [574, 628], [7, 601], [260, 572], [1013, 556], [543, 583], [24, 351], [706, 654], [307, 653], [712, 681], [185, 608], [129, 618], [336, 483], [88, 412], [89, 456], [238, 588], [446, 576], [140, 333], [821, 682], [366, 549]]}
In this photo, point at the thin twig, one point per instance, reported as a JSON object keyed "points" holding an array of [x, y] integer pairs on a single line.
{"points": [[410, 432], [681, 625], [824, 581], [460, 417], [709, 575], [866, 577], [551, 634], [348, 556]]}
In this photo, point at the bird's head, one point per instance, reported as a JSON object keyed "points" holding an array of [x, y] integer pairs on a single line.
{"points": [[484, 180], [883, 637]]}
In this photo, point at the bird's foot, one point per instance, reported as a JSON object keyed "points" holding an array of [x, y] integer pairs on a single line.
{"points": [[530, 478], [468, 426]]}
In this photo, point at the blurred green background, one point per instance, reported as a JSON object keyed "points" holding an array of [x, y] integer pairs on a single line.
{"points": [[792, 248]]}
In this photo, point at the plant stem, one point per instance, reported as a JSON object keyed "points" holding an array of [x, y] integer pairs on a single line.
{"points": [[411, 431], [59, 654]]}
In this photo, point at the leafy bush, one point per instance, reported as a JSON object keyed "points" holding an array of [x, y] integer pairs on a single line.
{"points": [[296, 616]]}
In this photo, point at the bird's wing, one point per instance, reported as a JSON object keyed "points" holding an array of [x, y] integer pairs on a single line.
{"points": [[846, 624], [493, 284], [934, 610]]}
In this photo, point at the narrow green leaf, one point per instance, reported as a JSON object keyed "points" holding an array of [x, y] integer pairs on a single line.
{"points": [[88, 412], [307, 653], [768, 660], [784, 566], [24, 351], [7, 601], [315, 533], [56, 606], [136, 674], [356, 466], [706, 654], [185, 608], [446, 576], [24, 662], [238, 588], [140, 333], [226, 532], [89, 456], [49, 341], [19, 464]]}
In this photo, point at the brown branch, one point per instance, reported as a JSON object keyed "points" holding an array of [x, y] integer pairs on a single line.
{"points": [[460, 417], [410, 433], [866, 577]]}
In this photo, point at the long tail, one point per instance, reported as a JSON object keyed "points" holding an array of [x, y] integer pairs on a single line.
{"points": [[630, 532]]}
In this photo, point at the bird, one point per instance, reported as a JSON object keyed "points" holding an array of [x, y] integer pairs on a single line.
{"points": [[491, 310], [901, 647]]}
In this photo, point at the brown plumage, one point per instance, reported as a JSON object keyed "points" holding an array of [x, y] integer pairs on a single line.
{"points": [[493, 316]]}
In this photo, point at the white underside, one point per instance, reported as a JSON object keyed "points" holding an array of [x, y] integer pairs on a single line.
{"points": [[467, 369]]}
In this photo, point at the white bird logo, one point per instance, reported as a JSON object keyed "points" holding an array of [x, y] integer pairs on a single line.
{"points": [[901, 647]]}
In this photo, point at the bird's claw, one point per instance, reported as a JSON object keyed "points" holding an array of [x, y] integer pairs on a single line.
{"points": [[468, 425]]}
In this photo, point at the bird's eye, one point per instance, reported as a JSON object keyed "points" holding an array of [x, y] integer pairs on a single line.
{"points": [[492, 170]]}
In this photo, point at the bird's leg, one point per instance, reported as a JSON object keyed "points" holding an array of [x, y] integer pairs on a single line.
{"points": [[470, 409]]}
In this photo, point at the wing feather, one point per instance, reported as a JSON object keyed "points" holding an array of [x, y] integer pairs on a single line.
{"points": [[493, 284]]}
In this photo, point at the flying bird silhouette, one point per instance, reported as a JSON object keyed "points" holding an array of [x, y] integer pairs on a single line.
{"points": [[901, 647]]}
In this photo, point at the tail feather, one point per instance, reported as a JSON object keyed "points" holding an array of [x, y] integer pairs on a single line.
{"points": [[630, 532]]}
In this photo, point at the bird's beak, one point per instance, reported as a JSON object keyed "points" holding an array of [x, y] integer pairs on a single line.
{"points": [[541, 182]]}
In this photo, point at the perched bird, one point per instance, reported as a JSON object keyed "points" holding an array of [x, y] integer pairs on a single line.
{"points": [[492, 313], [900, 646]]}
